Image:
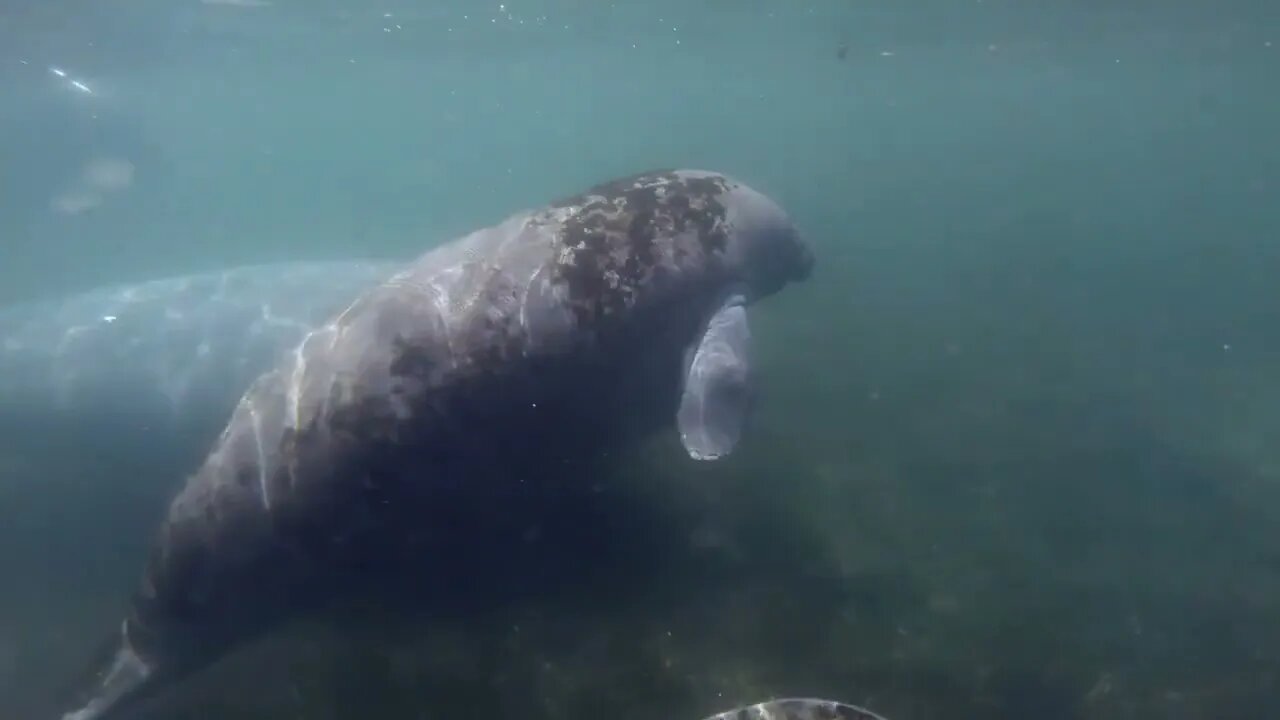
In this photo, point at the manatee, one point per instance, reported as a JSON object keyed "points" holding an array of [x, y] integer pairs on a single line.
{"points": [[155, 363], [481, 374]]}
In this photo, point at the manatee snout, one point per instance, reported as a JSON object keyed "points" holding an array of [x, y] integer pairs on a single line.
{"points": [[802, 258], [774, 249], [788, 259]]}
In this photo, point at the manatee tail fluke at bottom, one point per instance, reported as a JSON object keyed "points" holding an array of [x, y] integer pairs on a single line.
{"points": [[128, 678], [797, 709], [782, 709], [121, 678], [117, 678]]}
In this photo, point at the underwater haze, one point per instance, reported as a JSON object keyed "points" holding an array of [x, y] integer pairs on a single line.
{"points": [[1017, 449]]}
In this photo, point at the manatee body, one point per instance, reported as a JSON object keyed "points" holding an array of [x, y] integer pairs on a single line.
{"points": [[481, 374], [153, 363]]}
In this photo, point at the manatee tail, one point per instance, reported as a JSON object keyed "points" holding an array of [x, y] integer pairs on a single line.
{"points": [[121, 679], [797, 709], [117, 678]]}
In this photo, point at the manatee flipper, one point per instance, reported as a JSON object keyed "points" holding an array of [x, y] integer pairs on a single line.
{"points": [[797, 709], [717, 384]]}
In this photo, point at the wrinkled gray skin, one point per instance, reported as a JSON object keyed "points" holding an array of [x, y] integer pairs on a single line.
{"points": [[484, 370], [163, 361]]}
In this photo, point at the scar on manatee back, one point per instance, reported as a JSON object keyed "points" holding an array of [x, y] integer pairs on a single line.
{"points": [[605, 250]]}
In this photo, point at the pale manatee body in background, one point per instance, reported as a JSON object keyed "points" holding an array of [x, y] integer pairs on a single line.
{"points": [[129, 369], [483, 383]]}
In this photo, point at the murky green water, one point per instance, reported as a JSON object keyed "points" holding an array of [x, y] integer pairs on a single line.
{"points": [[1015, 455]]}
